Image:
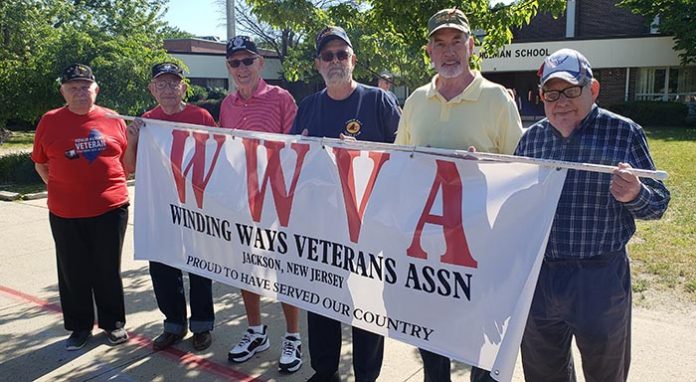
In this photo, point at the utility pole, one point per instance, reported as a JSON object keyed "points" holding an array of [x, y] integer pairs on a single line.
{"points": [[231, 32], [230, 19]]}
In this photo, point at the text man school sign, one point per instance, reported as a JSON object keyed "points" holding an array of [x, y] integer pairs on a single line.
{"points": [[439, 252], [516, 53], [653, 51]]}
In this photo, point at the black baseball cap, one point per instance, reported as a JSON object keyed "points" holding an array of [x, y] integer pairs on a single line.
{"points": [[331, 33], [240, 43], [167, 68], [77, 72]]}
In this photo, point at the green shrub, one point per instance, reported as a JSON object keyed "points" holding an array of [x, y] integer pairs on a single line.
{"points": [[197, 93], [20, 125], [18, 168], [691, 117], [217, 93], [653, 113], [212, 105]]}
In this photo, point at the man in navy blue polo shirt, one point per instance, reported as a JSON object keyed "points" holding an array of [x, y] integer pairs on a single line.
{"points": [[584, 287], [344, 108]]}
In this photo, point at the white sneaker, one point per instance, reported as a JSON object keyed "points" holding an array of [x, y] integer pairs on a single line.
{"points": [[290, 355], [249, 345]]}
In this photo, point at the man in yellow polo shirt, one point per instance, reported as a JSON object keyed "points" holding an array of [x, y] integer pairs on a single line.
{"points": [[458, 109]]}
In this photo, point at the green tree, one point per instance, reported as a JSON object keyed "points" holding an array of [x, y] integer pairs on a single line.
{"points": [[389, 34], [677, 18], [119, 39], [27, 33]]}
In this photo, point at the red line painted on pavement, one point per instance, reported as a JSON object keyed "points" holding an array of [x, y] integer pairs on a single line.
{"points": [[183, 357], [188, 358], [43, 304]]}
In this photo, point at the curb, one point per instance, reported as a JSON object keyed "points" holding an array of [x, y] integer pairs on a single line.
{"points": [[36, 195], [8, 196]]}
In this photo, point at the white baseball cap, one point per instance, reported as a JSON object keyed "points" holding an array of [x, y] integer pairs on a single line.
{"points": [[566, 64]]}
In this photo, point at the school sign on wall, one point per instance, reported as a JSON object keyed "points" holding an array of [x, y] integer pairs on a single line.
{"points": [[654, 51]]}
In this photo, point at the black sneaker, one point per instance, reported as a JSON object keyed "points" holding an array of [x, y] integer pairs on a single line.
{"points": [[202, 340], [249, 345], [167, 339], [290, 355], [77, 339], [117, 336]]}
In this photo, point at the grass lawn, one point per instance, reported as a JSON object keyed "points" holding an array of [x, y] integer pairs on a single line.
{"points": [[664, 251], [19, 141]]}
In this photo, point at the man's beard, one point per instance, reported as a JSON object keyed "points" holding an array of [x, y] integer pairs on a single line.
{"points": [[451, 71], [338, 74]]}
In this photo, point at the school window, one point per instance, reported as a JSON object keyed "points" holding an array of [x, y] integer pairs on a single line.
{"points": [[667, 84]]}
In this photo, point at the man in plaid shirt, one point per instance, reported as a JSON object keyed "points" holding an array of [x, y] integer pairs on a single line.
{"points": [[584, 287]]}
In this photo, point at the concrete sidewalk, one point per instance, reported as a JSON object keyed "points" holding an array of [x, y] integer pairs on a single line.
{"points": [[32, 335]]}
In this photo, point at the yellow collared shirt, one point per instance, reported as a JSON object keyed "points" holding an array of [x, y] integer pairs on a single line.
{"points": [[483, 116]]}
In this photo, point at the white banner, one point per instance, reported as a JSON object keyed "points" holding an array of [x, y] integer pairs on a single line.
{"points": [[439, 252]]}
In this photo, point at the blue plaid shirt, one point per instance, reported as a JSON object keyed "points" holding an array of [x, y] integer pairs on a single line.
{"points": [[589, 221]]}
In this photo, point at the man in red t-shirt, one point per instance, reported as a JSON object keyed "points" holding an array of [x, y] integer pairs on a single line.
{"points": [[78, 152], [168, 88]]}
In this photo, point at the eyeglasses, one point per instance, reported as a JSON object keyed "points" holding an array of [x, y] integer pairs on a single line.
{"points": [[555, 95], [246, 61], [73, 88], [161, 85], [328, 56]]}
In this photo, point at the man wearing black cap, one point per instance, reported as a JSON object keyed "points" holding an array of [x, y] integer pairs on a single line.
{"points": [[168, 88], [366, 113], [384, 81], [78, 153], [584, 285], [257, 106], [458, 109]]}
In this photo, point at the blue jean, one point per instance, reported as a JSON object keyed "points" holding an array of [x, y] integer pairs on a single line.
{"points": [[168, 284], [589, 299]]}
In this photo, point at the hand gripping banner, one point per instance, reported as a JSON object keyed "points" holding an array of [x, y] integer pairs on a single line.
{"points": [[440, 252]]}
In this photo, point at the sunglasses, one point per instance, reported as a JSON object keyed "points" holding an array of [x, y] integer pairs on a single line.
{"points": [[555, 95], [328, 56], [246, 61]]}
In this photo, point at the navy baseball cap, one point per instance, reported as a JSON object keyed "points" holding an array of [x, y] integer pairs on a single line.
{"points": [[167, 68], [566, 64], [241, 43], [331, 33], [77, 72]]}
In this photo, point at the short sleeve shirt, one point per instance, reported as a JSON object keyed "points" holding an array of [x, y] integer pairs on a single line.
{"points": [[84, 154], [271, 109], [368, 114], [483, 115], [190, 114]]}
